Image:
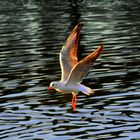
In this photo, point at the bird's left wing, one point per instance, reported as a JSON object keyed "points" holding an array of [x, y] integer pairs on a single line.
{"points": [[68, 54], [81, 68]]}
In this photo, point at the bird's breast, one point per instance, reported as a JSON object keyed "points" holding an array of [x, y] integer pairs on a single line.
{"points": [[58, 90]]}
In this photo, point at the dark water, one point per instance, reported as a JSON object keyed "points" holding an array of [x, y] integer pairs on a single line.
{"points": [[31, 35]]}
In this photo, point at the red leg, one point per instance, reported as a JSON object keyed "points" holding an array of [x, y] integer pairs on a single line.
{"points": [[74, 98]]}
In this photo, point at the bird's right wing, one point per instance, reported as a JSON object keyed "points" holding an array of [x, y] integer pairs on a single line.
{"points": [[79, 71], [68, 54]]}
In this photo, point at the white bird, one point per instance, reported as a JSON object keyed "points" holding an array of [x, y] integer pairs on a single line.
{"points": [[72, 71]]}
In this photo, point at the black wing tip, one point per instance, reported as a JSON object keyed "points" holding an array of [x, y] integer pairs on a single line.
{"points": [[78, 23], [77, 27], [101, 45]]}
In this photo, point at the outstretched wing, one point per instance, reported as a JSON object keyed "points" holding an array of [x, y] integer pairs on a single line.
{"points": [[68, 54], [81, 68]]}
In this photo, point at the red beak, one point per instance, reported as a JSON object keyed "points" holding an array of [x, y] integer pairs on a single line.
{"points": [[49, 88]]}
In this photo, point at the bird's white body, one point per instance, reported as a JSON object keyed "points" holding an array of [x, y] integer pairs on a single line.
{"points": [[75, 88]]}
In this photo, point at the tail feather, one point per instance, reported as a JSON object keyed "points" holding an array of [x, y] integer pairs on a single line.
{"points": [[88, 91]]}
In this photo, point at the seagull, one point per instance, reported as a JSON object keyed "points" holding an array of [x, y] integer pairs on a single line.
{"points": [[72, 71]]}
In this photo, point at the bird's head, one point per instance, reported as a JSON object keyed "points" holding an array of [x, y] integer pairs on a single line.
{"points": [[53, 85]]}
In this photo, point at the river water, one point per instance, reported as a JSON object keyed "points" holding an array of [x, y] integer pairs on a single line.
{"points": [[31, 35]]}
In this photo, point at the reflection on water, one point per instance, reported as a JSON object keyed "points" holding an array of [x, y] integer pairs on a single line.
{"points": [[31, 36]]}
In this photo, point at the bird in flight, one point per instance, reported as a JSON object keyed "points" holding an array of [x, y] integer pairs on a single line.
{"points": [[72, 71]]}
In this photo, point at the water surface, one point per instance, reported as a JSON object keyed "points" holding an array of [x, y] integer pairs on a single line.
{"points": [[31, 36]]}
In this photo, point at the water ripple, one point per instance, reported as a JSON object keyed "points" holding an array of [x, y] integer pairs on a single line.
{"points": [[31, 36]]}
